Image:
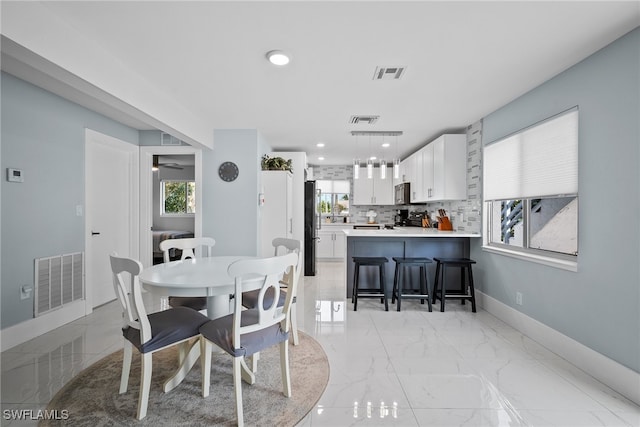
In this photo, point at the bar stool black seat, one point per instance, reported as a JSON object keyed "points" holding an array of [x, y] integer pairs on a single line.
{"points": [[369, 293], [467, 290], [399, 281]]}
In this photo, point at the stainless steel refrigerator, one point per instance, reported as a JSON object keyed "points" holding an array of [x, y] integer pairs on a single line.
{"points": [[311, 224]]}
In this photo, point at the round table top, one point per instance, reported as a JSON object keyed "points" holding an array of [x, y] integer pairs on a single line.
{"points": [[205, 276]]}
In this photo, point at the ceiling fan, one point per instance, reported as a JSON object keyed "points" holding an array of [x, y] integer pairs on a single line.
{"points": [[170, 165]]}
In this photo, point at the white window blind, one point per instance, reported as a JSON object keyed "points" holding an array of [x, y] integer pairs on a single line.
{"points": [[539, 161]]}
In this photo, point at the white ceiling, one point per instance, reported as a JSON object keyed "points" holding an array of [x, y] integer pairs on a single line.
{"points": [[464, 60]]}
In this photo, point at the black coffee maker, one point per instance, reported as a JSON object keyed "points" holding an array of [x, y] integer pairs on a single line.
{"points": [[402, 217]]}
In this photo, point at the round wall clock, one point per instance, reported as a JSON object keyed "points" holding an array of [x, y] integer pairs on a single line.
{"points": [[228, 171]]}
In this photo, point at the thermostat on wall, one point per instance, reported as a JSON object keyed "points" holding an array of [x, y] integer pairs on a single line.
{"points": [[14, 175]]}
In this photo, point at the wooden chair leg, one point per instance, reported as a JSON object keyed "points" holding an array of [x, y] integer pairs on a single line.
{"points": [[237, 386], [145, 384], [284, 367], [126, 366], [205, 365]]}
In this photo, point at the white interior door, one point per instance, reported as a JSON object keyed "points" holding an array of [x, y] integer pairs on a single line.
{"points": [[111, 214]]}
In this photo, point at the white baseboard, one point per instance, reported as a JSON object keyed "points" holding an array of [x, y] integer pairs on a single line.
{"points": [[23, 332], [618, 377]]}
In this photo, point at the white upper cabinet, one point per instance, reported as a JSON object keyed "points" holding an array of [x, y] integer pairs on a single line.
{"points": [[449, 169], [373, 191], [438, 171], [415, 169]]}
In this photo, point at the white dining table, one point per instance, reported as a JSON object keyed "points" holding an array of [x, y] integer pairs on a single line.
{"points": [[199, 277]]}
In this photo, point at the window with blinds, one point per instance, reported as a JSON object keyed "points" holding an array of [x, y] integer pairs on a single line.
{"points": [[531, 188]]}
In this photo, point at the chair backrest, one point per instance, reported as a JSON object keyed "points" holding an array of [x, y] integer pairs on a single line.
{"points": [[130, 297], [270, 270], [284, 245], [187, 246]]}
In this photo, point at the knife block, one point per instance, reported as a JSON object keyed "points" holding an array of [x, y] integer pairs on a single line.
{"points": [[444, 224]]}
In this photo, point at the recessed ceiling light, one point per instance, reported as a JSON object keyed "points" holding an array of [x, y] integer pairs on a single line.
{"points": [[278, 57], [320, 144], [320, 158], [386, 144], [373, 158]]}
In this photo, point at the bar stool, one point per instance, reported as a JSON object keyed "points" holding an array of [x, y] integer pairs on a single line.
{"points": [[369, 293], [440, 287], [399, 284]]}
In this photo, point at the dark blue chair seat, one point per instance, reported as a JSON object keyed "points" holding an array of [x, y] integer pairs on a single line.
{"points": [[167, 327], [218, 332]]}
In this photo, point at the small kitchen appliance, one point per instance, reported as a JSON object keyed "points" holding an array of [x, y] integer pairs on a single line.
{"points": [[402, 217], [402, 194]]}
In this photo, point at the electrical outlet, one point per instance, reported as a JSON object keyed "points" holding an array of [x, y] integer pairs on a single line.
{"points": [[519, 298]]}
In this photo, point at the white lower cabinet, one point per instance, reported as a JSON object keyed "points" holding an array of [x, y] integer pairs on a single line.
{"points": [[331, 244]]}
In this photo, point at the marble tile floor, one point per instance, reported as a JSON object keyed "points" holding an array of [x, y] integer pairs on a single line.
{"points": [[409, 368]]}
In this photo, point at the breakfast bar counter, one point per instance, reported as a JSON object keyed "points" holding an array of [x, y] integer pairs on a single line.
{"points": [[403, 242]]}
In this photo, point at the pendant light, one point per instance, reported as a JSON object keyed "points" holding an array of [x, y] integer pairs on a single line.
{"points": [[396, 163], [356, 163], [383, 169], [370, 162]]}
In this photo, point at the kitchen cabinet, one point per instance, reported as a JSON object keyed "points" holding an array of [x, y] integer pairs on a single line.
{"points": [[276, 215], [438, 171], [373, 191], [445, 164], [417, 176], [331, 243]]}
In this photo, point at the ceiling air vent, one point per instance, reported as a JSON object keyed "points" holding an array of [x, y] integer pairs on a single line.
{"points": [[363, 120], [388, 73]]}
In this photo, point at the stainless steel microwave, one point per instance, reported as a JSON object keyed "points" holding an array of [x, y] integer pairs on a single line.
{"points": [[402, 194]]}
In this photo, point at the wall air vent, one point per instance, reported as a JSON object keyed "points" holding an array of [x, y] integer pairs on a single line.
{"points": [[363, 120], [388, 73]]}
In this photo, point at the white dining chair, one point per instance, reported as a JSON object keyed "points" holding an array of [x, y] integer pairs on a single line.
{"points": [[245, 332], [148, 333], [250, 299], [189, 247]]}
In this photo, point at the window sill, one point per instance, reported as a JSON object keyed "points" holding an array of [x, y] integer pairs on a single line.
{"points": [[165, 215], [539, 259]]}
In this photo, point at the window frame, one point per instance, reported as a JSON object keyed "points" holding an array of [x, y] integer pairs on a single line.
{"points": [[186, 214], [526, 252]]}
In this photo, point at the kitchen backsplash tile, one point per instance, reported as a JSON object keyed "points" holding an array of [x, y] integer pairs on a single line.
{"points": [[466, 215]]}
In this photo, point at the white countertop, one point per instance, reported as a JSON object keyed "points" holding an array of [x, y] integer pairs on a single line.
{"points": [[407, 232]]}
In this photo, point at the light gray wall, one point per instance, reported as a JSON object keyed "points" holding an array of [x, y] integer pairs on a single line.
{"points": [[43, 135], [599, 306], [230, 209]]}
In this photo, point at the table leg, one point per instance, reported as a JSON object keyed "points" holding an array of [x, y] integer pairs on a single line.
{"points": [[188, 362], [218, 306]]}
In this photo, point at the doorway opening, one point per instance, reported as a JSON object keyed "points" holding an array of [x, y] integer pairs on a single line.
{"points": [[174, 200], [171, 197]]}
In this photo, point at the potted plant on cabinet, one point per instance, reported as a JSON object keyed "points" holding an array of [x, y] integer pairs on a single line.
{"points": [[276, 164]]}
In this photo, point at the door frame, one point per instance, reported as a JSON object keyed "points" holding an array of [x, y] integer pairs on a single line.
{"points": [[146, 194], [92, 136]]}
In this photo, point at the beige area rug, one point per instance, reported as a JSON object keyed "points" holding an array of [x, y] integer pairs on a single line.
{"points": [[92, 398]]}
